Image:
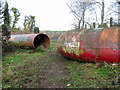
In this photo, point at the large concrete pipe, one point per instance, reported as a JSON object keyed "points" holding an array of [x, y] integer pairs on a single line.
{"points": [[30, 40], [90, 45]]}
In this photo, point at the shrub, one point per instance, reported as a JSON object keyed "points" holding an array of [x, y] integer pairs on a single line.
{"points": [[36, 30]]}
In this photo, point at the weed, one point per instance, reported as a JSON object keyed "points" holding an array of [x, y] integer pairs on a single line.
{"points": [[40, 49]]}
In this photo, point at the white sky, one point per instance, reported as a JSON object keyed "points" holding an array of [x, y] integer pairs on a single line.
{"points": [[50, 14]]}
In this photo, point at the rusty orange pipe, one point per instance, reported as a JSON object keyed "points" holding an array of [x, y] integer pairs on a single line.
{"points": [[30, 40]]}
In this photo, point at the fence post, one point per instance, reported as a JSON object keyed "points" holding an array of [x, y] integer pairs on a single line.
{"points": [[85, 26], [111, 22], [94, 25]]}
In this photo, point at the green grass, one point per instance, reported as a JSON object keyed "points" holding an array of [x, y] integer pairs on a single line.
{"points": [[21, 68], [85, 75]]}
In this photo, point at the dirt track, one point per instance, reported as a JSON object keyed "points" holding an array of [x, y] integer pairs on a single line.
{"points": [[53, 73]]}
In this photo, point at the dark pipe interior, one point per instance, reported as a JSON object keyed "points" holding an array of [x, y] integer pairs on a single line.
{"points": [[41, 40]]}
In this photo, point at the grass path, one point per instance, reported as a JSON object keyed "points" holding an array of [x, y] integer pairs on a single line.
{"points": [[53, 73], [34, 68]]}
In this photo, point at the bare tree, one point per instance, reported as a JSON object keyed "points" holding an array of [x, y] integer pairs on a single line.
{"points": [[90, 12], [107, 9], [77, 16], [79, 11]]}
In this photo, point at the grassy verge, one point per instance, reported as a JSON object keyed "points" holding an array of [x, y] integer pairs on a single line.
{"points": [[23, 67], [86, 75]]}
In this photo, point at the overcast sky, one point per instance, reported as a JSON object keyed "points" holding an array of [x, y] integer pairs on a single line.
{"points": [[50, 14]]}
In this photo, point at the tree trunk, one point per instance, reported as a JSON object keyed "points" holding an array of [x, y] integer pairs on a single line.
{"points": [[83, 15], [79, 22], [102, 13]]}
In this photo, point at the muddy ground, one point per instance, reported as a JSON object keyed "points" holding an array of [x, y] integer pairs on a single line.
{"points": [[54, 72]]}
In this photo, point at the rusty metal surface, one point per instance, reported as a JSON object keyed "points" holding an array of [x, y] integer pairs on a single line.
{"points": [[30, 40], [90, 45]]}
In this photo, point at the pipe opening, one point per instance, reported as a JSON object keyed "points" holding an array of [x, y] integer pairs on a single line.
{"points": [[41, 40]]}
